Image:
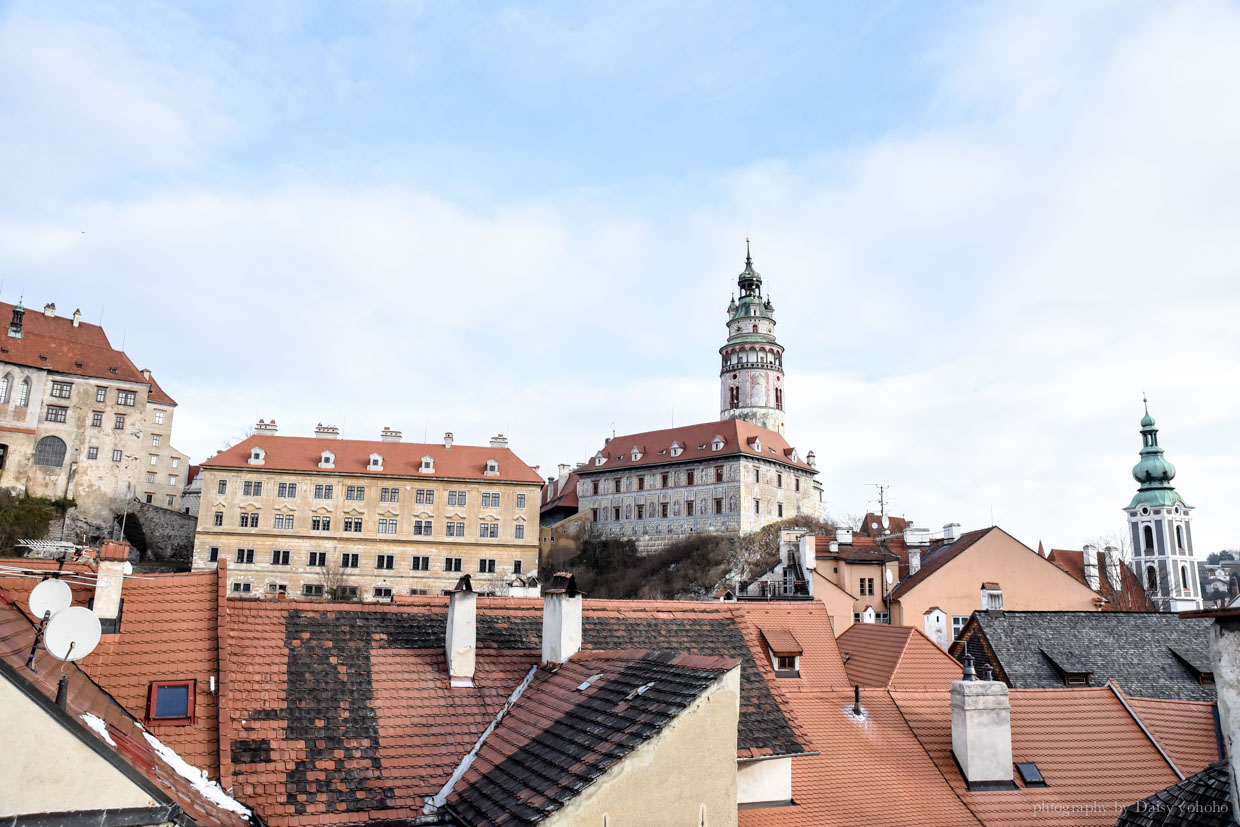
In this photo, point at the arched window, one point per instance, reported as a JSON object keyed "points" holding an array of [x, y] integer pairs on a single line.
{"points": [[23, 393], [50, 452], [755, 328], [6, 385], [1149, 538], [1184, 577], [1179, 537], [1151, 579]]}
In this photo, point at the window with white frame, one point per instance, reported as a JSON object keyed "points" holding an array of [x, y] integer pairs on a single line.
{"points": [[385, 562], [421, 563], [323, 492], [350, 560], [62, 390], [353, 525], [172, 479], [92, 452], [156, 439], [150, 477], [958, 622], [284, 521], [96, 419], [251, 488], [245, 555], [101, 394], [320, 523], [176, 462], [488, 530], [286, 490], [126, 398], [56, 413], [249, 520], [217, 518], [355, 493], [117, 455], [386, 526], [389, 495], [424, 496], [159, 416], [519, 532], [520, 501], [118, 424]]}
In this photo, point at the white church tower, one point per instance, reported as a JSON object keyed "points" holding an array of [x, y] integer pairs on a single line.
{"points": [[1158, 520], [751, 379]]}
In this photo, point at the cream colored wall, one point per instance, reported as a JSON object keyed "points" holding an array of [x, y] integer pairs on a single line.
{"points": [[768, 781], [49, 770], [691, 764], [1029, 583], [368, 544], [838, 602]]}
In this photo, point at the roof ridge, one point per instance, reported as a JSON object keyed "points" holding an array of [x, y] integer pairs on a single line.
{"points": [[1141, 725], [930, 757]]}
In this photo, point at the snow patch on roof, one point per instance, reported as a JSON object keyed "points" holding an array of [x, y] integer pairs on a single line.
{"points": [[99, 726], [208, 789]]}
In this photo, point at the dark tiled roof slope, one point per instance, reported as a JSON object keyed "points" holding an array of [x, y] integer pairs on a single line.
{"points": [[559, 738], [1132, 648], [1201, 800]]}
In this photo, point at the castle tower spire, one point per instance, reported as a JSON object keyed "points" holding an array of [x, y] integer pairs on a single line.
{"points": [[1159, 521], [751, 377]]}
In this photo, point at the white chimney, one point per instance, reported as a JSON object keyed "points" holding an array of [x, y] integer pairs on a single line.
{"points": [[1089, 557], [388, 435], [810, 460], [447, 440], [1111, 556], [49, 310], [564, 468], [843, 535], [77, 318], [265, 427], [951, 532], [916, 536], [914, 560], [499, 441], [982, 732], [113, 557], [561, 631], [461, 639], [326, 431]]}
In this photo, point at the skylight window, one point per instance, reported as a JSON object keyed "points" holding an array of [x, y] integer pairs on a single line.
{"points": [[171, 702], [1030, 774]]}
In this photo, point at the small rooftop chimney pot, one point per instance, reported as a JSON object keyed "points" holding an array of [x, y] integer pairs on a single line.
{"points": [[561, 631], [77, 318], [390, 435], [49, 310], [447, 440]]}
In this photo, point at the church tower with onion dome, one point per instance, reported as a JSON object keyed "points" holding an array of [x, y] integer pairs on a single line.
{"points": [[751, 379], [1158, 520]]}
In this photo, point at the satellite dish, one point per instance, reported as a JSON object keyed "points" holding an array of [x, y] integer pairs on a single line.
{"points": [[873, 525], [73, 633], [886, 521], [890, 577], [50, 596]]}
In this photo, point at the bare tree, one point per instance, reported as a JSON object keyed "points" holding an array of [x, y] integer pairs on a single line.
{"points": [[334, 580], [1114, 539]]}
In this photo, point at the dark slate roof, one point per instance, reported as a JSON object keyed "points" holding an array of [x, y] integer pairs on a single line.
{"points": [[571, 725], [1136, 649], [1201, 800]]}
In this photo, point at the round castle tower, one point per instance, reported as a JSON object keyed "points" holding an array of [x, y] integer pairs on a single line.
{"points": [[751, 379]]}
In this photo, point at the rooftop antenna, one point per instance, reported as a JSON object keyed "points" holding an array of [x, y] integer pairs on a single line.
{"points": [[883, 502]]}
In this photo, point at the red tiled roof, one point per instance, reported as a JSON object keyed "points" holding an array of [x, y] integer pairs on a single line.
{"points": [[1185, 729], [1132, 595], [1087, 746], [939, 556], [19, 575], [896, 657], [129, 745], [293, 453], [861, 549], [872, 526], [561, 493], [781, 641], [738, 437]]}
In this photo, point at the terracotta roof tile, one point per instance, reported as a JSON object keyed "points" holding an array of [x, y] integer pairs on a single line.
{"points": [[1185, 729], [896, 657], [781, 642], [403, 459], [738, 437], [557, 494], [1130, 597]]}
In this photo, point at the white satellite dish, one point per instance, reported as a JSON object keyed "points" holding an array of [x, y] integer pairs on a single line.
{"points": [[73, 633], [50, 596], [890, 577]]}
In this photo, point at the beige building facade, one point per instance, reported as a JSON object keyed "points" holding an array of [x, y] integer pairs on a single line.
{"points": [[366, 519], [78, 420]]}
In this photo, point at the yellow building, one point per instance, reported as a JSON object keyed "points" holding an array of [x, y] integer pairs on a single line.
{"points": [[310, 516]]}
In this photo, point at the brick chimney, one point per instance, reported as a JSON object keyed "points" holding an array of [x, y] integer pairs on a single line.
{"points": [[561, 631], [113, 558], [982, 731], [1089, 558], [461, 639]]}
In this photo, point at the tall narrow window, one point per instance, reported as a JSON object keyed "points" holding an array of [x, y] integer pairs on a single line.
{"points": [[1149, 538], [1184, 577], [1179, 537], [6, 385], [23, 393], [1151, 579]]}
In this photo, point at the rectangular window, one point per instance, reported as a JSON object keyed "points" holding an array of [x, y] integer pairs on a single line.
{"points": [[383, 526], [456, 498], [355, 493], [284, 521], [159, 416], [757, 506], [101, 394], [718, 473], [118, 424], [615, 513], [318, 559], [126, 398], [641, 483], [421, 563], [389, 495], [452, 564], [117, 456], [490, 499], [96, 419], [663, 480], [176, 462], [251, 489], [92, 453], [779, 509], [519, 532], [779, 480], [287, 490], [516, 566], [279, 557], [322, 492], [641, 511], [353, 525], [662, 509], [383, 593], [249, 521], [62, 390], [689, 477], [755, 475], [520, 501], [277, 588], [689, 508], [958, 622], [424, 496], [594, 514], [594, 483], [456, 530], [312, 590], [488, 530], [797, 484], [486, 566], [245, 555], [385, 562], [346, 592], [320, 523], [172, 702], [222, 488], [156, 439], [350, 561], [55, 413], [213, 554], [150, 477], [154, 458], [718, 505], [171, 498], [218, 518]]}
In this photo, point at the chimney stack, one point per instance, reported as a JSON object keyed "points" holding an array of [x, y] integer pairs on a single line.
{"points": [[982, 731], [563, 468], [113, 558], [1110, 554], [267, 428], [561, 631], [951, 532], [843, 535], [388, 435], [461, 639], [77, 318], [49, 310], [1089, 558], [914, 560], [810, 460], [499, 441], [326, 431], [447, 440]]}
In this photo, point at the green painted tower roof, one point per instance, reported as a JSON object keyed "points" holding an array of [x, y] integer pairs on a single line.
{"points": [[1153, 472]]}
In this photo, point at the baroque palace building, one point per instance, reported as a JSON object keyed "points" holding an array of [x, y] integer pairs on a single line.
{"points": [[367, 519], [734, 475]]}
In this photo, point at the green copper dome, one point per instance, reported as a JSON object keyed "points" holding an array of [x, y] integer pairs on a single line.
{"points": [[1153, 472]]}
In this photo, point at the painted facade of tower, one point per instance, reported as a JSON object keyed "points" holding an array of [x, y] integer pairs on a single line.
{"points": [[751, 378], [1159, 524]]}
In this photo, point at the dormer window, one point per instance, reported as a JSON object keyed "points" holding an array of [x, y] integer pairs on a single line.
{"points": [[257, 456], [327, 460], [757, 443], [785, 652], [427, 466], [492, 468], [677, 449], [599, 459], [376, 462], [637, 454], [717, 444]]}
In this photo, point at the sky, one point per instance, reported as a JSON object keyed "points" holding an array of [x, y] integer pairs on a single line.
{"points": [[987, 229]]}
